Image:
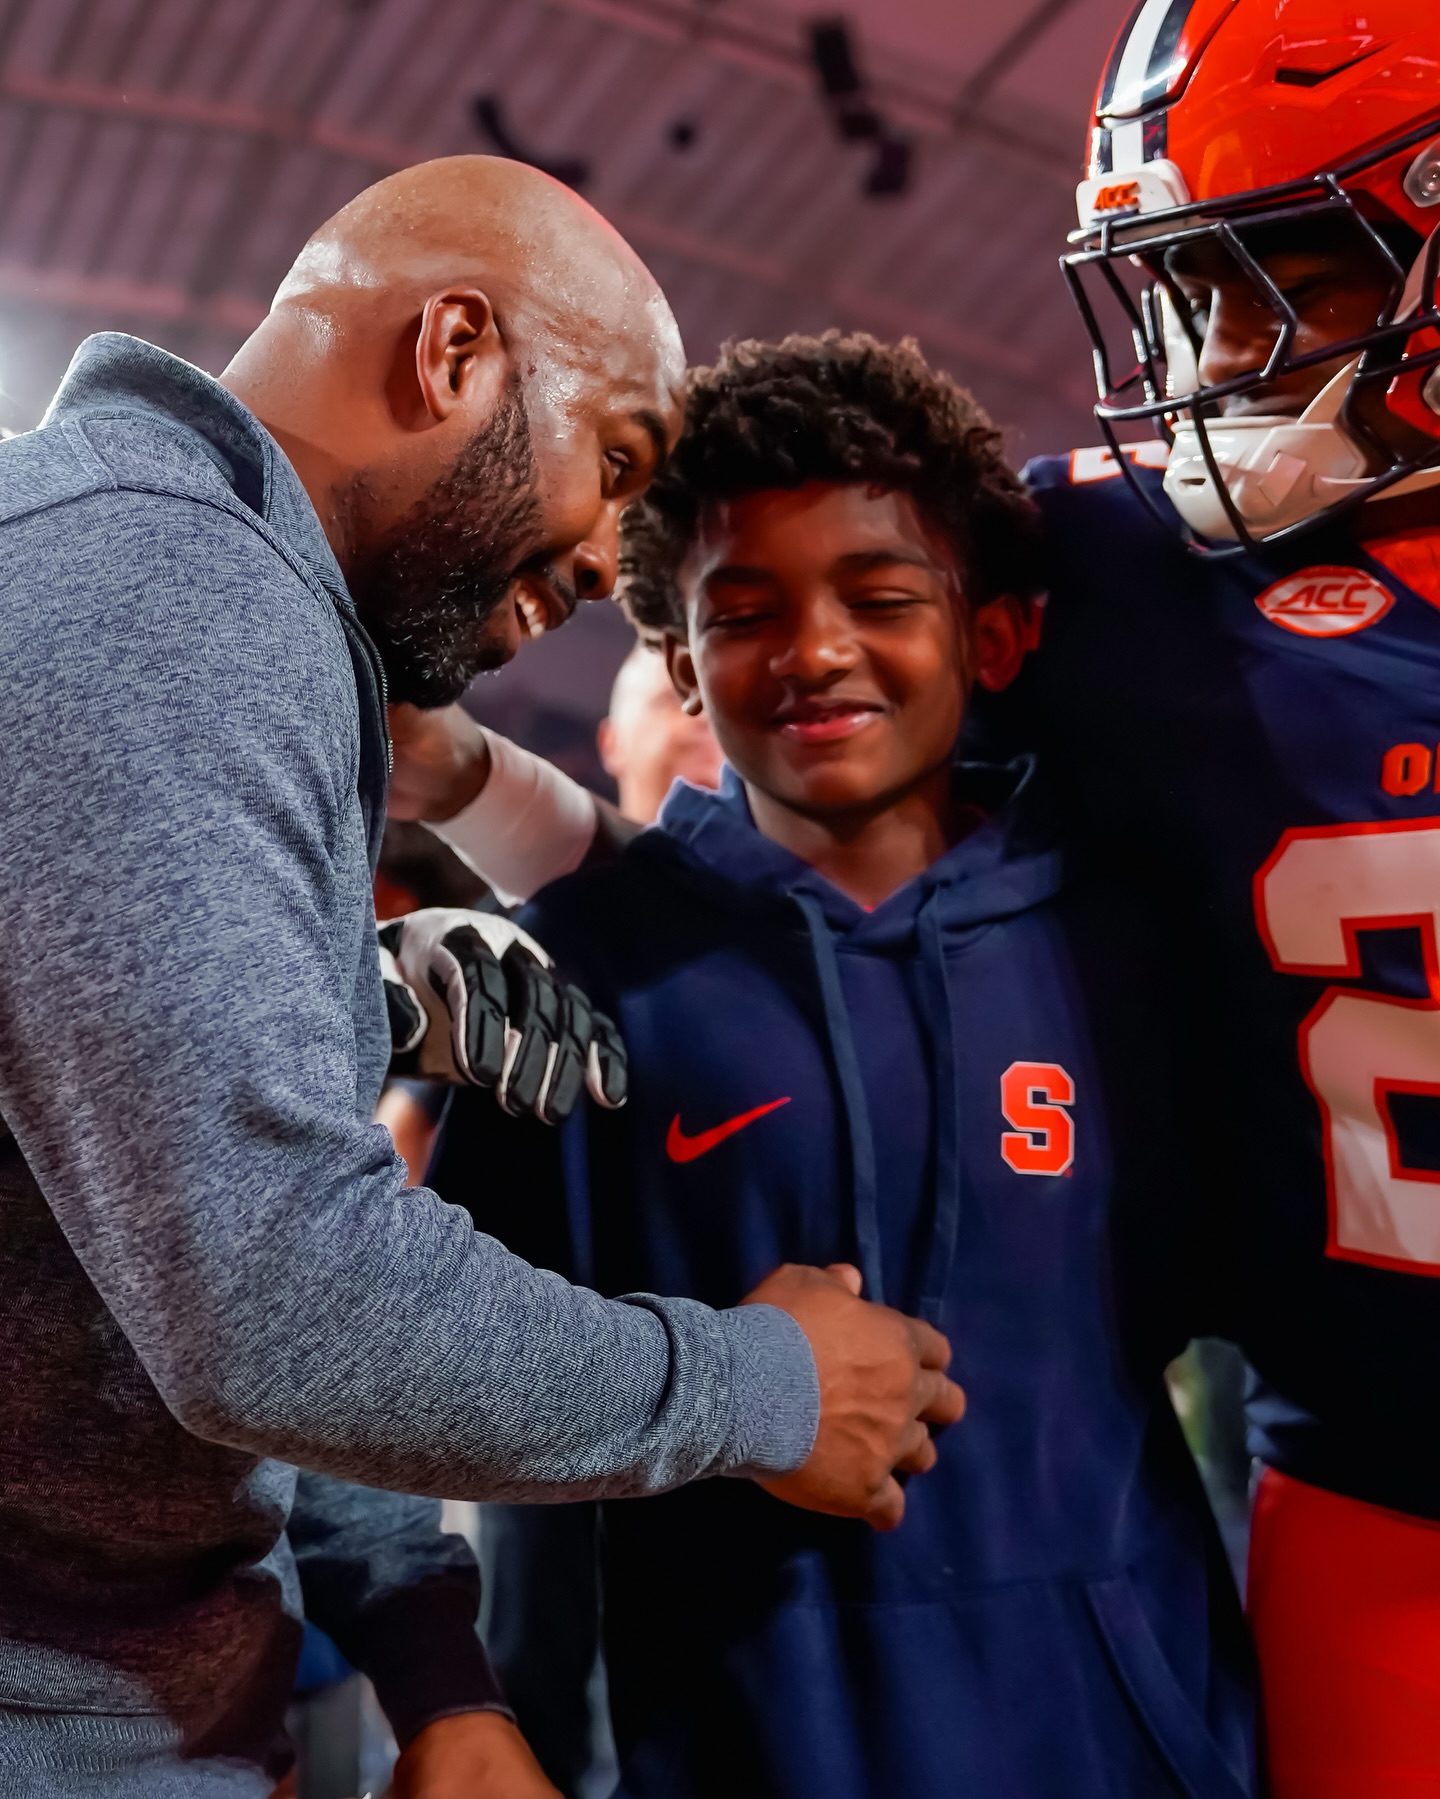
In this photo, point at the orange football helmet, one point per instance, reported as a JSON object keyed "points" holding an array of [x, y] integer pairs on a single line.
{"points": [[1225, 120]]}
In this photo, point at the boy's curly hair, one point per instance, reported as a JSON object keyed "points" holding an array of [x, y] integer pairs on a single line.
{"points": [[842, 407]]}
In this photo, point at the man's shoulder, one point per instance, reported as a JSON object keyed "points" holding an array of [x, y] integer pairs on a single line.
{"points": [[78, 473], [99, 449], [62, 468]]}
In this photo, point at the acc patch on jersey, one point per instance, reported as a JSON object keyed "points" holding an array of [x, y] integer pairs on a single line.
{"points": [[1326, 602]]}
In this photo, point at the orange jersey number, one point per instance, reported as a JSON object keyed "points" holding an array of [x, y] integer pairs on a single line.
{"points": [[1033, 1097], [1319, 889]]}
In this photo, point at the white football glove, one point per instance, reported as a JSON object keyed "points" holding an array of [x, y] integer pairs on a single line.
{"points": [[474, 1000]]}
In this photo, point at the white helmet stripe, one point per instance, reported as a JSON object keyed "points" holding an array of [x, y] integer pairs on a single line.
{"points": [[1112, 68], [1164, 68], [1141, 76], [1127, 147]]}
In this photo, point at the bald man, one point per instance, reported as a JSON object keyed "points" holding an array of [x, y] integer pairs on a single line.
{"points": [[648, 740], [211, 1269]]}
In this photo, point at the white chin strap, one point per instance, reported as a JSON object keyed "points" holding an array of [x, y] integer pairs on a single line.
{"points": [[1277, 471]]}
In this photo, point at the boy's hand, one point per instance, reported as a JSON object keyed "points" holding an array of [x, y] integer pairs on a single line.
{"points": [[882, 1384], [477, 1755]]}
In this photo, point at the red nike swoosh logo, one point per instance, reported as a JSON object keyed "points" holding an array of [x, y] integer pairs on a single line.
{"points": [[681, 1148]]}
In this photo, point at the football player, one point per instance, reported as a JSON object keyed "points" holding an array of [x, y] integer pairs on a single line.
{"points": [[1239, 674]]}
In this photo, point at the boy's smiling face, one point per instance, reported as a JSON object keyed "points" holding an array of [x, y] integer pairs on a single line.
{"points": [[832, 647]]}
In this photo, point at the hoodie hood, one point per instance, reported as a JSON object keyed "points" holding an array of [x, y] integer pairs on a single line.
{"points": [[112, 376], [1006, 865], [139, 418]]}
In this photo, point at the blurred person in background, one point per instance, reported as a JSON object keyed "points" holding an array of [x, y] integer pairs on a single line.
{"points": [[648, 740]]}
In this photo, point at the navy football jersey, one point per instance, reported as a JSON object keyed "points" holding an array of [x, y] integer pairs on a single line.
{"points": [[1258, 740]]}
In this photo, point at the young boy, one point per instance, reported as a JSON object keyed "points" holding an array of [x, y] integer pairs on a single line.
{"points": [[872, 1020]]}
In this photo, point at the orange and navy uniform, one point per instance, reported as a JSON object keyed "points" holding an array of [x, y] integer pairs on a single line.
{"points": [[1256, 739]]}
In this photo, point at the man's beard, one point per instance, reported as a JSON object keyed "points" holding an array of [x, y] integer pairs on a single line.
{"points": [[428, 591]]}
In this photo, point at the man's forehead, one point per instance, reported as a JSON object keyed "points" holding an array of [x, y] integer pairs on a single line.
{"points": [[641, 373], [621, 332]]}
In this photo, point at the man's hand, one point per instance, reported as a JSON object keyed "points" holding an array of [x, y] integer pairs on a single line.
{"points": [[882, 1384], [441, 762], [473, 1000], [477, 1755]]}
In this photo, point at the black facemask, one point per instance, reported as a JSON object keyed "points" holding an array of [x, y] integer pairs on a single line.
{"points": [[428, 591]]}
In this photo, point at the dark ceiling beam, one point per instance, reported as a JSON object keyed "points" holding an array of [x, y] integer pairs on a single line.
{"points": [[786, 58], [112, 295], [1010, 51], [149, 106], [227, 234], [379, 156]]}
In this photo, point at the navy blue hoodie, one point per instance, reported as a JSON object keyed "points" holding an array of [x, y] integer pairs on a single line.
{"points": [[813, 1082]]}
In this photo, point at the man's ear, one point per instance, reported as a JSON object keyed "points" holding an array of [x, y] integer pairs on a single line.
{"points": [[1000, 635], [461, 362], [680, 665]]}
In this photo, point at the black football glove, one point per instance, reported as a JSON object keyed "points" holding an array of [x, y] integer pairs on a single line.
{"points": [[473, 999]]}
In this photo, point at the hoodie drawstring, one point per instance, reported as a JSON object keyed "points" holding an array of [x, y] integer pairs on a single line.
{"points": [[939, 1014], [852, 1092], [940, 1022]]}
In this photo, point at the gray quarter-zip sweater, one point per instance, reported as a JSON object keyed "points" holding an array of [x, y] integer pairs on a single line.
{"points": [[210, 1268]]}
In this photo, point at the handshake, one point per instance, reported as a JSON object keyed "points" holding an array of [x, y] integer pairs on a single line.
{"points": [[474, 1000]]}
